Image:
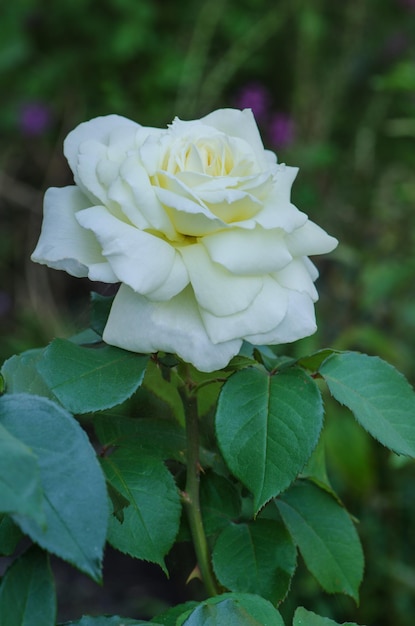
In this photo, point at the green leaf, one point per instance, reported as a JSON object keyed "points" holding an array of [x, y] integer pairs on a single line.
{"points": [[267, 427], [27, 593], [225, 612], [380, 398], [303, 617], [270, 360], [313, 361], [159, 438], [258, 558], [86, 337], [151, 522], [100, 310], [239, 362], [90, 379], [119, 503], [234, 608], [103, 620], [75, 496], [220, 502], [325, 536], [316, 470], [170, 617], [20, 486], [357, 473], [21, 375], [165, 390], [10, 535], [257, 608]]}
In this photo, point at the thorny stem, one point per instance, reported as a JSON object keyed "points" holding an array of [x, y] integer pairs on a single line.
{"points": [[191, 495]]}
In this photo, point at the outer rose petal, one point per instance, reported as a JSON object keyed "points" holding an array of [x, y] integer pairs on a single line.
{"points": [[310, 239], [252, 252], [139, 259], [64, 244], [171, 287], [216, 289], [89, 159], [296, 276], [311, 268], [99, 129], [137, 324], [264, 313], [298, 322], [278, 212]]}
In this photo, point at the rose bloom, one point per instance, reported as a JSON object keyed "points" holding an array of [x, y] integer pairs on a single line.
{"points": [[195, 222]]}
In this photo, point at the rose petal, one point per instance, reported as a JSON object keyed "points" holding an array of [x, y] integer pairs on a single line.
{"points": [[311, 268], [310, 239], [216, 289], [258, 185], [175, 326], [146, 202], [278, 212], [100, 130], [169, 182], [107, 171], [194, 160], [63, 243], [188, 218], [98, 161], [201, 181], [122, 204], [240, 124], [296, 276], [139, 259], [152, 149], [188, 214], [264, 313], [271, 157], [231, 205], [299, 322], [249, 252], [90, 158], [173, 283]]}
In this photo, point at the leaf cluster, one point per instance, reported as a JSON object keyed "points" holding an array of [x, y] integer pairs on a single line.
{"points": [[75, 473]]}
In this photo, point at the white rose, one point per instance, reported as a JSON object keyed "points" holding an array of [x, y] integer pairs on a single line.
{"points": [[196, 223]]}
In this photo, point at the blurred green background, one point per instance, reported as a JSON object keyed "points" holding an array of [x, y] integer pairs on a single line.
{"points": [[332, 85]]}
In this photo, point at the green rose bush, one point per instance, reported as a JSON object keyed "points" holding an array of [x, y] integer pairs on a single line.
{"points": [[195, 225]]}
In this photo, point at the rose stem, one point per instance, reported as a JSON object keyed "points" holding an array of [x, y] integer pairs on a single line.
{"points": [[191, 495]]}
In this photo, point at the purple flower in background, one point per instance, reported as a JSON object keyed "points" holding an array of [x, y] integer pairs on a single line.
{"points": [[281, 130], [253, 96], [409, 4], [5, 303], [35, 118], [396, 45]]}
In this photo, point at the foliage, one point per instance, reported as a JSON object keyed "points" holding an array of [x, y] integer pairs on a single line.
{"points": [[264, 492]]}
